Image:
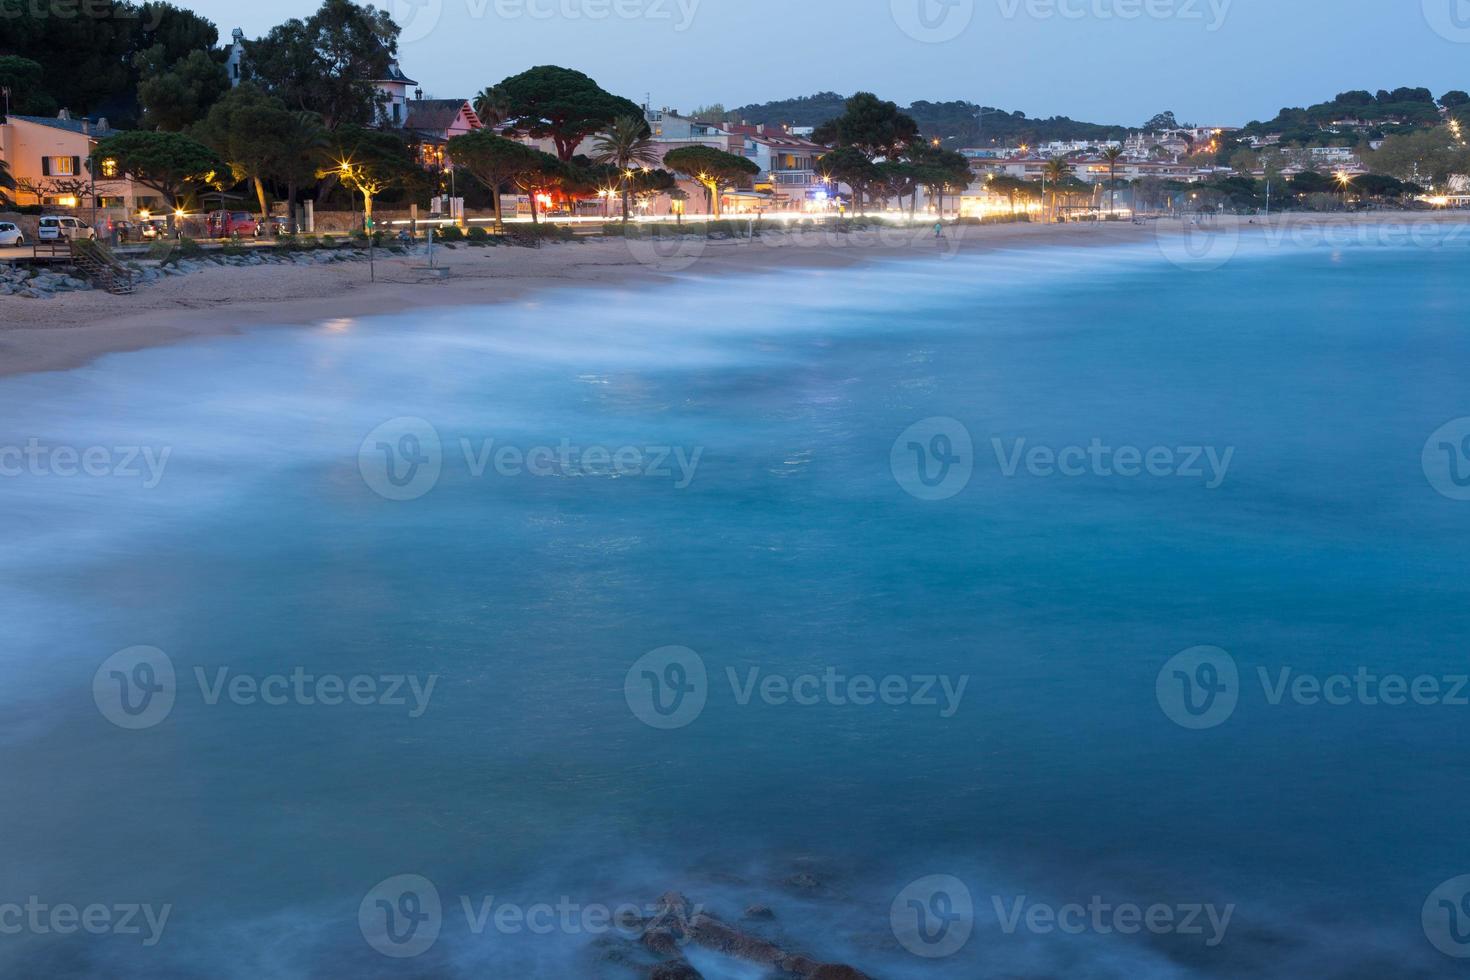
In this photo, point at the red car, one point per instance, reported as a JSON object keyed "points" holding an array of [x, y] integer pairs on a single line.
{"points": [[226, 224]]}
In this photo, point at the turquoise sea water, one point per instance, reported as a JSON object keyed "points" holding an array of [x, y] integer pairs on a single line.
{"points": [[530, 776]]}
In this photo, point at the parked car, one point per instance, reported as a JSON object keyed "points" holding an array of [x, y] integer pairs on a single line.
{"points": [[153, 228], [63, 228], [227, 224], [10, 235]]}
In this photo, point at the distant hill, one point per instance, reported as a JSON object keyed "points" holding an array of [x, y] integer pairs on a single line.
{"points": [[1383, 113], [957, 120], [1359, 114]]}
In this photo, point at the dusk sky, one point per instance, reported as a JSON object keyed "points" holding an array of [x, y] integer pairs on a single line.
{"points": [[1211, 61]]}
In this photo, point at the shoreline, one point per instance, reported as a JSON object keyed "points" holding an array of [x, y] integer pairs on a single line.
{"points": [[72, 330]]}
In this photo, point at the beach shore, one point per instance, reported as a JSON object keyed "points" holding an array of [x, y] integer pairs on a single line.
{"points": [[72, 329]]}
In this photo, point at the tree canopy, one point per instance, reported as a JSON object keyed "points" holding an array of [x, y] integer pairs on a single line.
{"points": [[713, 168], [492, 160], [328, 62], [871, 125], [561, 105], [169, 163]]}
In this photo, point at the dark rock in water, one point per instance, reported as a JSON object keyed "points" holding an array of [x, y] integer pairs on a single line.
{"points": [[759, 913], [661, 940], [675, 971], [805, 880]]}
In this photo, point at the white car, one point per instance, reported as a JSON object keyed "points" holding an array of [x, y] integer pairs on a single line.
{"points": [[10, 236], [55, 227]]}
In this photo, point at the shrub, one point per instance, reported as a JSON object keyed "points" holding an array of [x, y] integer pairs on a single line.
{"points": [[450, 233], [478, 237]]}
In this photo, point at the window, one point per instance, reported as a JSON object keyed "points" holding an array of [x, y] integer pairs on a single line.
{"points": [[109, 167], [62, 166], [109, 202]]}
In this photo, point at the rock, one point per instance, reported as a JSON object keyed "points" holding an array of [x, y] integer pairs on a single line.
{"points": [[33, 293], [759, 913], [833, 971], [804, 881], [675, 971]]}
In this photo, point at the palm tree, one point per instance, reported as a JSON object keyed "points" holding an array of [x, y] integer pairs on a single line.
{"points": [[1111, 155], [492, 105], [1057, 170], [624, 144], [7, 182]]}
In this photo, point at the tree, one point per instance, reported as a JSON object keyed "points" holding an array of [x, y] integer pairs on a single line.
{"points": [[244, 128], [492, 105], [850, 166], [1057, 173], [175, 99], [303, 143], [85, 59], [712, 168], [169, 163], [1455, 99], [23, 77], [328, 62], [544, 173], [1011, 188], [1164, 120], [492, 160], [562, 105], [626, 145], [869, 124], [1111, 154], [1432, 156], [371, 162]]}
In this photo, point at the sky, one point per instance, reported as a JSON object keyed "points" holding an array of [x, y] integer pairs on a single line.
{"points": [[1212, 62]]}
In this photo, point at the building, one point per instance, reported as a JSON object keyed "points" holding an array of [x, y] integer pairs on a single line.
{"points": [[431, 123], [788, 167], [48, 158], [394, 86], [235, 56]]}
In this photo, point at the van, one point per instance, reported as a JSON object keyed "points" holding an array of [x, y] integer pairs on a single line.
{"points": [[59, 228]]}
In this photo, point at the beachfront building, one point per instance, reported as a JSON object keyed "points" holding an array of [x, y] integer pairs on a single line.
{"points": [[393, 87], [48, 158], [431, 123], [788, 163]]}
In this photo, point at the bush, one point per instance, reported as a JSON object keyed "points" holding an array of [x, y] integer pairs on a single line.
{"points": [[478, 237], [450, 233]]}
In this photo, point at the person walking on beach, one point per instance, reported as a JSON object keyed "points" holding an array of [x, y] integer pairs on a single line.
{"points": [[938, 229]]}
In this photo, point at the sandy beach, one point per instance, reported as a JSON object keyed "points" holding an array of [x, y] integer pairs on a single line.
{"points": [[74, 328]]}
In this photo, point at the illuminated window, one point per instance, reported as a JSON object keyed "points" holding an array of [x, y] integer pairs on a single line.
{"points": [[63, 167], [109, 167]]}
